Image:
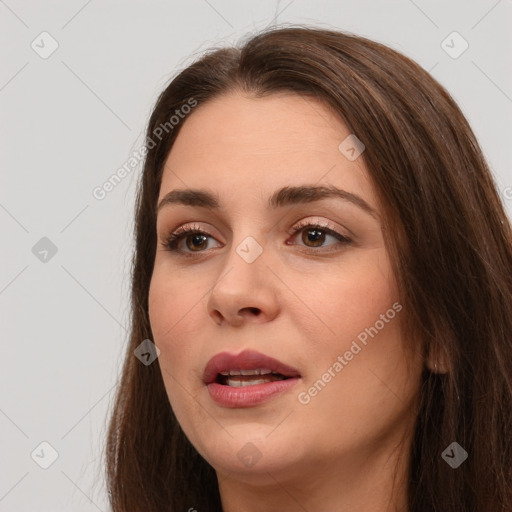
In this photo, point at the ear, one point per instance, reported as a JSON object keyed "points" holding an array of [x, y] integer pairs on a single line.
{"points": [[437, 361]]}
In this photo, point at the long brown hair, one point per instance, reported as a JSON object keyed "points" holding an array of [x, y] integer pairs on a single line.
{"points": [[450, 244]]}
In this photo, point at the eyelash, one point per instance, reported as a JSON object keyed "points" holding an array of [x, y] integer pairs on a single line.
{"points": [[173, 239]]}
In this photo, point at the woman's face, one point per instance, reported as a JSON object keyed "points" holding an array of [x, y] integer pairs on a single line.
{"points": [[322, 301]]}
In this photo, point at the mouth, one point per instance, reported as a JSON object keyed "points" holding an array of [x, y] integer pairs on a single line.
{"points": [[242, 378], [247, 379], [249, 368]]}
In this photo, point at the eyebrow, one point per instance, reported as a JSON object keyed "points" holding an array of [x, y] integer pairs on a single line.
{"points": [[282, 197]]}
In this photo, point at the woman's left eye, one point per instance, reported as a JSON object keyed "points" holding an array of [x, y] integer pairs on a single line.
{"points": [[196, 240], [316, 234]]}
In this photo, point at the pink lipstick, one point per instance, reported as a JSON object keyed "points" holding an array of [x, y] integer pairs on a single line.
{"points": [[247, 379]]}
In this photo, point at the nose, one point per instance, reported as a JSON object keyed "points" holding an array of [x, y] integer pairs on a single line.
{"points": [[244, 291]]}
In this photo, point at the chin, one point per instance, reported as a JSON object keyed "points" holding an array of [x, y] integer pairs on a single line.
{"points": [[250, 454]]}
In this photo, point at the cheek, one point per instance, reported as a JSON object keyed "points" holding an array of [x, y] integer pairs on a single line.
{"points": [[358, 317], [347, 299], [175, 309], [173, 299]]}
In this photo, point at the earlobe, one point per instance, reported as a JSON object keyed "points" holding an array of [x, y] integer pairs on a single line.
{"points": [[437, 362]]}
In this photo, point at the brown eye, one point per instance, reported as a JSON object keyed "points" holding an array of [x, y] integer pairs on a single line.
{"points": [[196, 241], [314, 236]]}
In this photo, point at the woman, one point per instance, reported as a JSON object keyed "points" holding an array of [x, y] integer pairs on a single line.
{"points": [[324, 266]]}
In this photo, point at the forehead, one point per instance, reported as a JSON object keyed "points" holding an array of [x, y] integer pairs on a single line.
{"points": [[242, 143]]}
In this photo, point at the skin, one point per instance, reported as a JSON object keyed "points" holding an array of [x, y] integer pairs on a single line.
{"points": [[341, 450]]}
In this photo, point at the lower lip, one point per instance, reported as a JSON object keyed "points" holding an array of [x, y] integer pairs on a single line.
{"points": [[248, 396]]}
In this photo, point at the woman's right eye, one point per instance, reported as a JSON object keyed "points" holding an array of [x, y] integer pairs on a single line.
{"points": [[196, 240]]}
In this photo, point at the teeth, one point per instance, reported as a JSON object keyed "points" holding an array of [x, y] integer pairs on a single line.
{"points": [[240, 382], [231, 372], [257, 371]]}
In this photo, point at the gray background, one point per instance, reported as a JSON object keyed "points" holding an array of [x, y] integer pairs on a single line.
{"points": [[72, 118]]}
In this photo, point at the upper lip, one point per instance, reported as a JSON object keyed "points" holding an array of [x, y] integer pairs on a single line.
{"points": [[246, 360]]}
